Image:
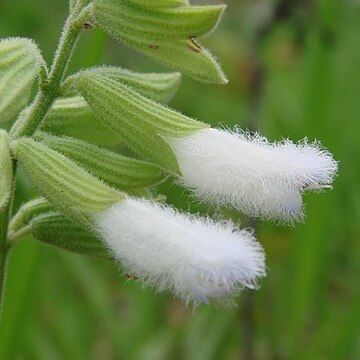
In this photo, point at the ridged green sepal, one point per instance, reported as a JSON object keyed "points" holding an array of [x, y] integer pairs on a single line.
{"points": [[140, 122], [160, 3], [165, 34], [55, 229], [118, 171], [73, 117], [20, 63], [77, 5], [27, 211], [165, 23], [187, 56], [158, 86], [65, 184], [6, 169]]}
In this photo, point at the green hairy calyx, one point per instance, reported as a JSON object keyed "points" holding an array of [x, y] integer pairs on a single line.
{"points": [[166, 33], [20, 64], [64, 183], [134, 117]]}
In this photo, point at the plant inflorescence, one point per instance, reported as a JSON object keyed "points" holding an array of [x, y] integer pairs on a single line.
{"points": [[99, 202]]}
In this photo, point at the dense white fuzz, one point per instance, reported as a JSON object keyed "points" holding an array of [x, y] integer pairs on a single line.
{"points": [[251, 174], [193, 257]]}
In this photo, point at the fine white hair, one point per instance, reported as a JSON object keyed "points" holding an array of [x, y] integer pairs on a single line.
{"points": [[195, 258], [260, 178]]}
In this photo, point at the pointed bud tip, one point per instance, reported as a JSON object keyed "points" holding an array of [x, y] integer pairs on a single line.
{"points": [[224, 80]]}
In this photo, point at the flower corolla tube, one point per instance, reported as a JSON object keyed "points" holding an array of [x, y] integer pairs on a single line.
{"points": [[260, 178], [195, 258]]}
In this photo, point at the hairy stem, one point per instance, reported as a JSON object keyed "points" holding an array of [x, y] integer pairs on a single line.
{"points": [[3, 253], [49, 88], [5, 214]]}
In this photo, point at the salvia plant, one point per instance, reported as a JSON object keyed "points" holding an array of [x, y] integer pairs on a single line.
{"points": [[99, 202]]}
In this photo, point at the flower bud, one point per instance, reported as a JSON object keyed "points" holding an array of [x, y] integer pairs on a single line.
{"points": [[119, 171], [6, 170], [55, 229], [73, 117], [166, 33], [140, 122], [65, 184], [27, 212], [20, 63], [160, 87]]}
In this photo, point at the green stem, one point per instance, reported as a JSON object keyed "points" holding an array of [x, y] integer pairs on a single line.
{"points": [[50, 88], [4, 248], [3, 261]]}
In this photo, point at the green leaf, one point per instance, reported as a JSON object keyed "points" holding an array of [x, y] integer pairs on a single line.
{"points": [[116, 170], [55, 229], [65, 184], [6, 169], [140, 122], [73, 117], [165, 34], [158, 86], [20, 63]]}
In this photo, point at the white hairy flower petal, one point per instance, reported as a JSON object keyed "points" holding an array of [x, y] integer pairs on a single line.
{"points": [[195, 258], [255, 176]]}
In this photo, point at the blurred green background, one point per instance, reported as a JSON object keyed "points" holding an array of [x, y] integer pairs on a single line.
{"points": [[294, 70]]}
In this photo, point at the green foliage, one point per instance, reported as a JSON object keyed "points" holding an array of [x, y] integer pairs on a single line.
{"points": [[165, 34], [118, 171], [20, 63], [6, 170], [134, 117], [64, 183]]}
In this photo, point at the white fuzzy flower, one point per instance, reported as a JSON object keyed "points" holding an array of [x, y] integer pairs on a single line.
{"points": [[195, 258], [251, 174]]}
